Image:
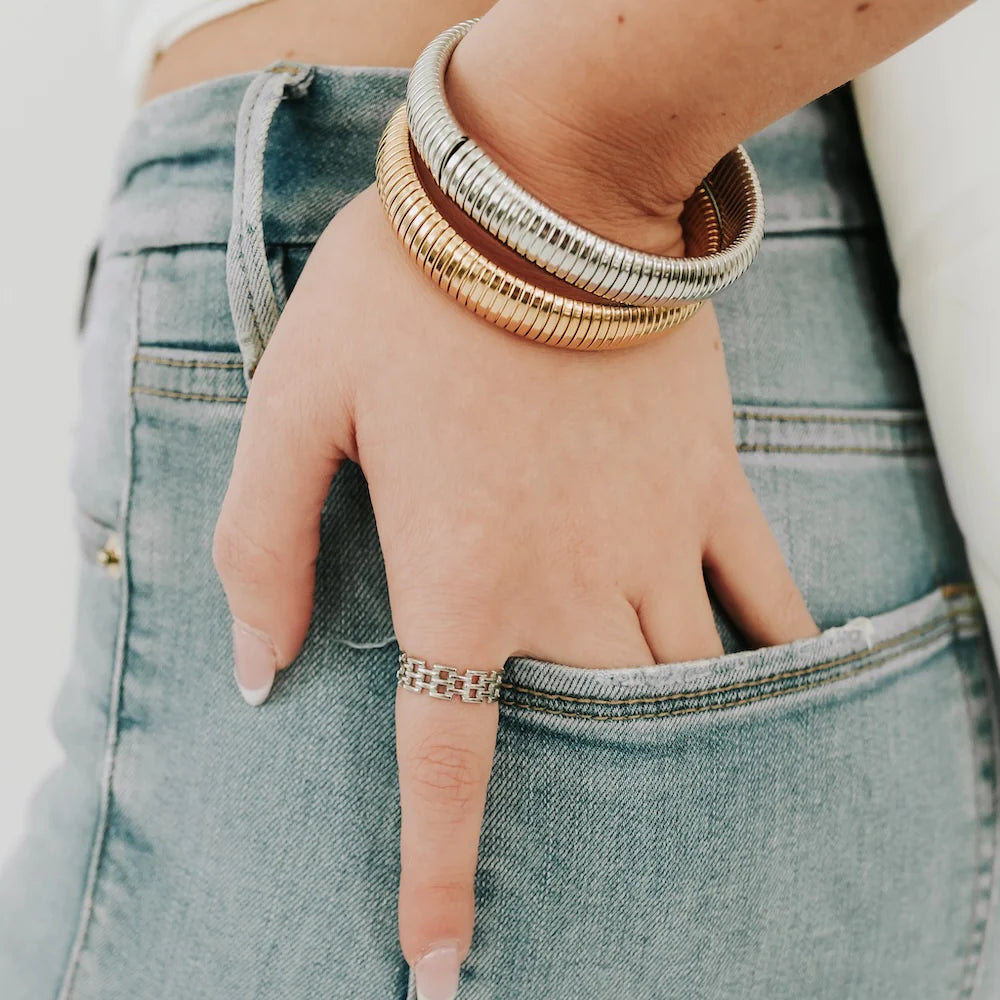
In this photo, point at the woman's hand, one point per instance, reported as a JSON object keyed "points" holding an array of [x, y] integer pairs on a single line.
{"points": [[532, 500]]}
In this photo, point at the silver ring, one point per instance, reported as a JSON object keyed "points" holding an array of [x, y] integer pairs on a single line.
{"points": [[439, 681], [578, 256]]}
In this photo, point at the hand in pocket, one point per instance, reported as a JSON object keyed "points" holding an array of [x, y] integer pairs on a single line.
{"points": [[564, 505]]}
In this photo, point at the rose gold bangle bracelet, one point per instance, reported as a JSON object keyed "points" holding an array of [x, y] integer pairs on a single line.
{"points": [[497, 295]]}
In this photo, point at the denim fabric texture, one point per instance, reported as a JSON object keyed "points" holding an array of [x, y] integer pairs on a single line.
{"points": [[816, 821]]}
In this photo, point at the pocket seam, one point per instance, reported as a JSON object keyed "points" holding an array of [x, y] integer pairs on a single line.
{"points": [[198, 375], [152, 359], [201, 397], [928, 633], [981, 705], [96, 849], [811, 449], [894, 419]]}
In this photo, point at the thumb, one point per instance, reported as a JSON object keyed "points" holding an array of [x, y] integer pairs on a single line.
{"points": [[445, 750], [267, 536]]}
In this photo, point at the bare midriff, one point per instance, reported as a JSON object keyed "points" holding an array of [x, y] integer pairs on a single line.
{"points": [[329, 32]]}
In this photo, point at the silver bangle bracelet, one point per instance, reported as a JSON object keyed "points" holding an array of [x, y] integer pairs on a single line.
{"points": [[470, 178]]}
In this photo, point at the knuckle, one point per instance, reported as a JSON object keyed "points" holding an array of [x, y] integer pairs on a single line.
{"points": [[788, 608], [240, 560], [711, 486], [727, 491], [432, 908], [454, 615], [437, 892], [448, 775], [722, 472], [273, 398]]}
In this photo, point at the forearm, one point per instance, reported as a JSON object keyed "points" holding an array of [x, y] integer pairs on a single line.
{"points": [[613, 112]]}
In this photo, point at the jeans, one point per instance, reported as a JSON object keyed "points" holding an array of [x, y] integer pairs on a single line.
{"points": [[815, 821]]}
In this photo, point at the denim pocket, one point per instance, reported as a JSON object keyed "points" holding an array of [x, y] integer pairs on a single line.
{"points": [[862, 651], [811, 820], [188, 408]]}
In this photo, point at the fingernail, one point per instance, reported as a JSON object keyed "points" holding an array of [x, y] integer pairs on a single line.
{"points": [[255, 662], [437, 974]]}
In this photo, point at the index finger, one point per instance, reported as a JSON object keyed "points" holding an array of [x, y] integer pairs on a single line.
{"points": [[445, 749]]}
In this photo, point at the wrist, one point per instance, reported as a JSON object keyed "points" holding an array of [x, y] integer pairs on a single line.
{"points": [[624, 186]]}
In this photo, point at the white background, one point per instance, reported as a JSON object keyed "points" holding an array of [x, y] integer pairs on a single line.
{"points": [[61, 111]]}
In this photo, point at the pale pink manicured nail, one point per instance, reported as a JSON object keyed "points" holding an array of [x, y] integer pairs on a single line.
{"points": [[437, 974], [255, 662]]}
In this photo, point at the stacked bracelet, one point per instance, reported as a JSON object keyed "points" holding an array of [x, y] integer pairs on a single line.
{"points": [[644, 294], [483, 191], [487, 288]]}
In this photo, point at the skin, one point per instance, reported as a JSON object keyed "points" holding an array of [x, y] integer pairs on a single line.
{"points": [[566, 505]]}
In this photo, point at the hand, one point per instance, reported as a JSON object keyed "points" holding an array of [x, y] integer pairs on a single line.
{"points": [[561, 504]]}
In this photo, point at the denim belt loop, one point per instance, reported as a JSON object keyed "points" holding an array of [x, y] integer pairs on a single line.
{"points": [[252, 299]]}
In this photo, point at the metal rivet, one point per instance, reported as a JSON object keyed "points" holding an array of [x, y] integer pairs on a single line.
{"points": [[110, 556]]}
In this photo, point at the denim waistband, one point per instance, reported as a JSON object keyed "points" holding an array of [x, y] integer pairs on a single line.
{"points": [[321, 150]]}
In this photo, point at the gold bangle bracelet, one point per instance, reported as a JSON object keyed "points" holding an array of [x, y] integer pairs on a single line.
{"points": [[489, 290]]}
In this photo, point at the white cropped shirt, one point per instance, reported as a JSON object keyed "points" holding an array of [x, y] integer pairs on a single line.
{"points": [[140, 29]]}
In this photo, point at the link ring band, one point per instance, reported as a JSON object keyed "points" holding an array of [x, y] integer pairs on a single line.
{"points": [[439, 681]]}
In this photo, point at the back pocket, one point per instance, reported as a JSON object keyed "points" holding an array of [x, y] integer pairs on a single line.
{"points": [[810, 820]]}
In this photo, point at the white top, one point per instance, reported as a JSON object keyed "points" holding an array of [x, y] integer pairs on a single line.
{"points": [[929, 121], [143, 28]]}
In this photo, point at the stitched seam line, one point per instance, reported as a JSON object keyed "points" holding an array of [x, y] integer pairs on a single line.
{"points": [[831, 418], [980, 707], [928, 641], [738, 414], [117, 673], [993, 891], [241, 230], [808, 449], [142, 390], [148, 359], [915, 633], [773, 449]]}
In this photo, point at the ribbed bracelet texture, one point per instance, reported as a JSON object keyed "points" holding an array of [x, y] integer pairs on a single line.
{"points": [[618, 273], [489, 290]]}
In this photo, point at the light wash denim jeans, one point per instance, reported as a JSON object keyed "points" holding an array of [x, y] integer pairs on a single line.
{"points": [[816, 821]]}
